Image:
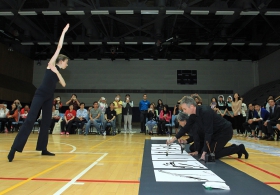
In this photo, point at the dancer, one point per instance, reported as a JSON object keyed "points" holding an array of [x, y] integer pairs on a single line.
{"points": [[43, 98]]}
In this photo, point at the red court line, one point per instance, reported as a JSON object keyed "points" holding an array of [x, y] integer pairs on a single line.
{"points": [[272, 183], [258, 168], [67, 180]]}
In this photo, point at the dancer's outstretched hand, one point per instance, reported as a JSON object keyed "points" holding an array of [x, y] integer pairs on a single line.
{"points": [[66, 27]]}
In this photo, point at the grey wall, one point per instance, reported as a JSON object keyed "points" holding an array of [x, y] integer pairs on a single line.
{"points": [[107, 74], [269, 68]]}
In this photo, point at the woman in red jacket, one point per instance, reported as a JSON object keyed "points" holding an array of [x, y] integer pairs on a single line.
{"points": [[12, 116], [69, 117], [164, 118]]}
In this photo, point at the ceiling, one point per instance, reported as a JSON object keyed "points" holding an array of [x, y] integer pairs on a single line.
{"points": [[143, 29]]}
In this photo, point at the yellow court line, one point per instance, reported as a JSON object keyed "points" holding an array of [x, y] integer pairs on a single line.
{"points": [[34, 176], [102, 142]]}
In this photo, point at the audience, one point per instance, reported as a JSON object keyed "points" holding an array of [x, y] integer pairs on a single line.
{"points": [[243, 114], [110, 117], [274, 115], [118, 109], [177, 109], [249, 120], [69, 117], [57, 103], [24, 112], [260, 115], [102, 107], [221, 106], [74, 101], [3, 116], [55, 118], [164, 118], [159, 105], [81, 117], [213, 103], [152, 117], [236, 109], [143, 107], [127, 108], [12, 116], [94, 118], [18, 104]]}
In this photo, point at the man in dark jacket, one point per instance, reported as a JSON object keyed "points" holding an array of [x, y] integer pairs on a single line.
{"points": [[249, 120], [274, 115], [216, 130]]}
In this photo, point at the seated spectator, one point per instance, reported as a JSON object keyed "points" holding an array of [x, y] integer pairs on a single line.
{"points": [[221, 106], [69, 117], [164, 118], [274, 115], [176, 111], [197, 99], [110, 117], [3, 116], [152, 117], [24, 112], [81, 117], [57, 103], [249, 120], [159, 105], [266, 104], [55, 118], [74, 101], [12, 116], [94, 118], [213, 104], [260, 115]]}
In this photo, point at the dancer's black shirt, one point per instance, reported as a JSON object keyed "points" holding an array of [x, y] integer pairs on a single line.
{"points": [[48, 84], [205, 123]]}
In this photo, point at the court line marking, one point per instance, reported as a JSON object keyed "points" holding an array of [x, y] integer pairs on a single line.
{"points": [[36, 175], [65, 187], [4, 151], [78, 181], [258, 168]]}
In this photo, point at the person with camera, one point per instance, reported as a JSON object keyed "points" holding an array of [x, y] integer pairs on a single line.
{"points": [[57, 103], [127, 105], [118, 109], [18, 104], [74, 101]]}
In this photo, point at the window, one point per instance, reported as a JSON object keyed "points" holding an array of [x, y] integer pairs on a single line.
{"points": [[186, 77]]}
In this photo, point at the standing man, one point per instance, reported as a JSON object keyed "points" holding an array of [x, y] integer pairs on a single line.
{"points": [[118, 109], [143, 107], [217, 131]]}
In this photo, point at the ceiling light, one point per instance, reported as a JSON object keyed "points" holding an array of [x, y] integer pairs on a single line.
{"points": [[75, 12], [6, 14], [52, 13], [202, 43], [255, 44], [199, 12], [224, 13], [174, 11], [100, 12], [95, 43], [273, 44], [249, 13], [113, 43], [185, 43], [130, 43], [219, 43], [27, 43], [272, 13], [44, 43], [124, 12], [27, 13], [148, 43], [238, 44], [149, 11], [64, 43], [78, 43]]}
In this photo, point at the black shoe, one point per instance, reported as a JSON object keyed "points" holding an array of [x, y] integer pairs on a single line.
{"points": [[270, 139], [239, 153], [264, 138], [45, 152], [11, 155], [243, 151]]}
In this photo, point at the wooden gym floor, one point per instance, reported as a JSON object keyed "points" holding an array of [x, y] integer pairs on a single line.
{"points": [[107, 165]]}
